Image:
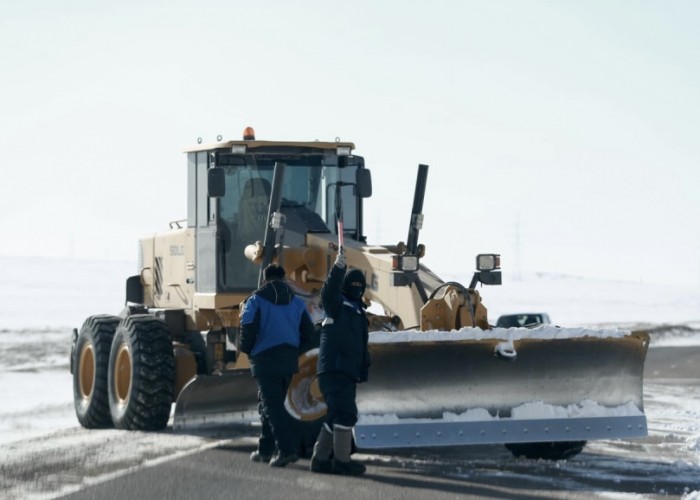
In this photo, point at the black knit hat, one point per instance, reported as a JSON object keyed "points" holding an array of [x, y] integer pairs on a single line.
{"points": [[354, 276], [274, 272]]}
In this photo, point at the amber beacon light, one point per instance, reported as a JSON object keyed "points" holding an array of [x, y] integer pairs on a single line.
{"points": [[249, 134]]}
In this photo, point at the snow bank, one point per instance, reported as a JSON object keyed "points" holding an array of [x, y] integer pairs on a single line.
{"points": [[544, 332], [40, 292], [527, 411]]}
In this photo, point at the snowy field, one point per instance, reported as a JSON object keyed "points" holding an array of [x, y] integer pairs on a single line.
{"points": [[41, 300]]}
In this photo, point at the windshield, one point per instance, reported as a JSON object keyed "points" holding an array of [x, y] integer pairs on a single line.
{"points": [[310, 184]]}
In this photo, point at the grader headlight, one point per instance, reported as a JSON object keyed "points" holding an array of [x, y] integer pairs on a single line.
{"points": [[404, 263], [488, 272], [488, 261], [409, 263]]}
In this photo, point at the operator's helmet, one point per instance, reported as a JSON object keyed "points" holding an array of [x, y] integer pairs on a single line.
{"points": [[354, 285]]}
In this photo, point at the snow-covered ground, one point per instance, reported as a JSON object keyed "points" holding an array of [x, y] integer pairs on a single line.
{"points": [[41, 300]]}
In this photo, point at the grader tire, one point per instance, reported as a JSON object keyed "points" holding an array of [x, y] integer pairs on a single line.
{"points": [[560, 450], [90, 366], [141, 379]]}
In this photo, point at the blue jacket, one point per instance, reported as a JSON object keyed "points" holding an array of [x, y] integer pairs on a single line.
{"points": [[275, 326], [344, 334]]}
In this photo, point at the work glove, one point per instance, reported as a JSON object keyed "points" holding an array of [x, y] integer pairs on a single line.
{"points": [[340, 258]]}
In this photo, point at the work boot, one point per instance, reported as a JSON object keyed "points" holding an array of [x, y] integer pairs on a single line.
{"points": [[281, 460], [342, 447], [349, 468], [256, 456], [321, 459]]}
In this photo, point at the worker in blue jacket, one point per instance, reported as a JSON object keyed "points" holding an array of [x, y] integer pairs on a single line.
{"points": [[275, 326], [343, 362]]}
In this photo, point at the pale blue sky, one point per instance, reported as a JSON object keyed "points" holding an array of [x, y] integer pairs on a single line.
{"points": [[576, 122]]}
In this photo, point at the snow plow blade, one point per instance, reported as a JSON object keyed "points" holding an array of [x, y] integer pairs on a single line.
{"points": [[452, 388], [211, 402], [463, 387], [561, 385]]}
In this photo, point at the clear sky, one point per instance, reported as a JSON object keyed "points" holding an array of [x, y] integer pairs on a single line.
{"points": [[564, 135]]}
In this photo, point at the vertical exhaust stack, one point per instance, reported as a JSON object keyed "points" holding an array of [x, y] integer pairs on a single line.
{"points": [[273, 219], [417, 212], [417, 224], [406, 265]]}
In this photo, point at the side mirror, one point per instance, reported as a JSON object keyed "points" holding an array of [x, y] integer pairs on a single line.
{"points": [[134, 290], [363, 183], [216, 184]]}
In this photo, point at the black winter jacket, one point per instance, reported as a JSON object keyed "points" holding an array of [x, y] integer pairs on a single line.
{"points": [[275, 329], [344, 334]]}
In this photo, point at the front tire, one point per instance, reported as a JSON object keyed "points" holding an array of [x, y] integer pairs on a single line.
{"points": [[560, 450], [141, 379], [90, 367]]}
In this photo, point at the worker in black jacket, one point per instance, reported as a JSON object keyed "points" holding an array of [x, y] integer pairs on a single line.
{"points": [[275, 325], [343, 362]]}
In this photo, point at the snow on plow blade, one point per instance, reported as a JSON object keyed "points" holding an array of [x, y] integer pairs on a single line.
{"points": [[554, 384]]}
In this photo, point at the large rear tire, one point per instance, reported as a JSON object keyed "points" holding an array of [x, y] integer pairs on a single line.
{"points": [[560, 450], [90, 366], [141, 379]]}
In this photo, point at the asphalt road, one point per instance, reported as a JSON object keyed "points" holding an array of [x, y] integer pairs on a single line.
{"points": [[226, 473]]}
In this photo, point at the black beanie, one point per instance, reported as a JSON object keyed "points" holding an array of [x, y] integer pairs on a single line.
{"points": [[274, 272]]}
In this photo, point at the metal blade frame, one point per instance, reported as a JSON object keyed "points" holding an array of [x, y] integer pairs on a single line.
{"points": [[428, 434]]}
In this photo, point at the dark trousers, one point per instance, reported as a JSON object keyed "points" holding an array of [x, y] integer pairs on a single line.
{"points": [[276, 425], [339, 392]]}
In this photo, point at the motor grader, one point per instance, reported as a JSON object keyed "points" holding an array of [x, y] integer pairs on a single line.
{"points": [[441, 375]]}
